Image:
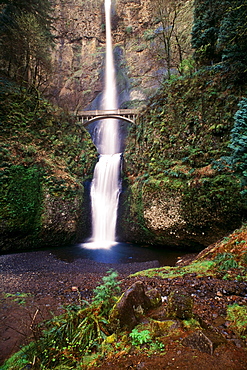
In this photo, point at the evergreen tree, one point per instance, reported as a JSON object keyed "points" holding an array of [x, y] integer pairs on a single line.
{"points": [[232, 39], [207, 17], [238, 142], [219, 32], [25, 39]]}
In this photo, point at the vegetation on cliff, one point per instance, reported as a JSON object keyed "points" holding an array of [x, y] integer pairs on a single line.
{"points": [[45, 157], [186, 156], [186, 144]]}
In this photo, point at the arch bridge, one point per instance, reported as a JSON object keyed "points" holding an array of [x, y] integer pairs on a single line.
{"points": [[87, 117]]}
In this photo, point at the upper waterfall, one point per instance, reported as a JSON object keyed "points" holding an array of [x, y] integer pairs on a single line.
{"points": [[106, 184]]}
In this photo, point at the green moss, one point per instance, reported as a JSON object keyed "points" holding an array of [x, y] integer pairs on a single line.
{"points": [[191, 324], [237, 315], [208, 200], [201, 268], [21, 199]]}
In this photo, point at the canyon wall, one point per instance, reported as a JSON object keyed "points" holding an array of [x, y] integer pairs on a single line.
{"points": [[78, 56]]}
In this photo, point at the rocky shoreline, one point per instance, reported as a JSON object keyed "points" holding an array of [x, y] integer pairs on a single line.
{"points": [[36, 285]]}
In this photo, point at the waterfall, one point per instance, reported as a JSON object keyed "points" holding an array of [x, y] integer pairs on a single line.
{"points": [[105, 187]]}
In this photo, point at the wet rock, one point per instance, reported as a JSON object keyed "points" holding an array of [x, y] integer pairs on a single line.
{"points": [[160, 328], [130, 307], [198, 340], [155, 297], [205, 340], [179, 305]]}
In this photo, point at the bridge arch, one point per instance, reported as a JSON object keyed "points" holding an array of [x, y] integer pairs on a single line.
{"points": [[87, 117], [97, 118]]}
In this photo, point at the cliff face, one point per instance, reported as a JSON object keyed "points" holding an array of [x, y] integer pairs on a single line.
{"points": [[45, 158], [181, 189], [78, 56]]}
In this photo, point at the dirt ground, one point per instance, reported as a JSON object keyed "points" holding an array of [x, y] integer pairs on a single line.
{"points": [[36, 285]]}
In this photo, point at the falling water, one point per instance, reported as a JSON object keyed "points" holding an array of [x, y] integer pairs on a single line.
{"points": [[106, 184]]}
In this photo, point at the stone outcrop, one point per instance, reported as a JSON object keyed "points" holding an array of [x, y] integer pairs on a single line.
{"points": [[131, 306], [78, 56]]}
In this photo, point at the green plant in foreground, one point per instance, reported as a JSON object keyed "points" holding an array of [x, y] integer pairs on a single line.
{"points": [[104, 294], [237, 315], [144, 337], [140, 337], [225, 261], [68, 338], [17, 297]]}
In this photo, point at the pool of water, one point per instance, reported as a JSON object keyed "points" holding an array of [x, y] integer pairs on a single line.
{"points": [[120, 253]]}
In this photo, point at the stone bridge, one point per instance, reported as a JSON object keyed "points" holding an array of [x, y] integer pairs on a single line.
{"points": [[86, 117]]}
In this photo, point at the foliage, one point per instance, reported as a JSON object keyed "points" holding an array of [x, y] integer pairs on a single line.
{"points": [[201, 268], [140, 337], [229, 253], [219, 33], [237, 315], [225, 261], [21, 199], [79, 332], [233, 34], [144, 339], [26, 40], [18, 297], [45, 157], [104, 294], [207, 17], [238, 143], [179, 141]]}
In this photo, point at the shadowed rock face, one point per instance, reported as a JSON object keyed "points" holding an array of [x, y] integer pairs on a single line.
{"points": [[180, 305], [133, 303]]}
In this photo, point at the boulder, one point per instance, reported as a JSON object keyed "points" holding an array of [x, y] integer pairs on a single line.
{"points": [[179, 305], [198, 340], [129, 308]]}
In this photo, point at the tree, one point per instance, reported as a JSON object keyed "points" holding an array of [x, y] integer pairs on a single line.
{"points": [[171, 35], [25, 39], [219, 32], [207, 18], [238, 143], [232, 38]]}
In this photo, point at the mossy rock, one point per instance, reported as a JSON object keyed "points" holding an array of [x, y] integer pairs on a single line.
{"points": [[162, 328], [179, 305]]}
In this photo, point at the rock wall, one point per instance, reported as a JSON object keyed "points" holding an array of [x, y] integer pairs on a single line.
{"points": [[78, 56]]}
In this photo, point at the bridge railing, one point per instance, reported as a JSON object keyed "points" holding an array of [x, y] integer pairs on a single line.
{"points": [[106, 112], [87, 116]]}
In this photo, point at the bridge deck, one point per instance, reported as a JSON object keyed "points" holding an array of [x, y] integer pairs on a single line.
{"points": [[118, 112], [87, 116]]}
